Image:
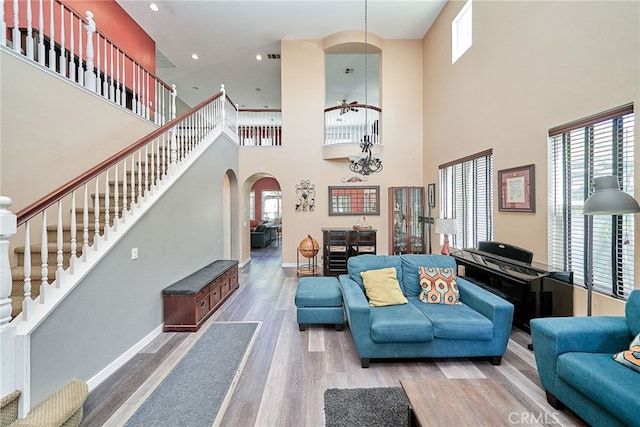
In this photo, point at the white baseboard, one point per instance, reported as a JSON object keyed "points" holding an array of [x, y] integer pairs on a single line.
{"points": [[122, 359]]}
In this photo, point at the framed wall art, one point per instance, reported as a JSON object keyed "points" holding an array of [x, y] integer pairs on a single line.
{"points": [[517, 192], [354, 200]]}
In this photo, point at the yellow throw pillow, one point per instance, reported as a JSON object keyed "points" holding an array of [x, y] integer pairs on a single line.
{"points": [[382, 287]]}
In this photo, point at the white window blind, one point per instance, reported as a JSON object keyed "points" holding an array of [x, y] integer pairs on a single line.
{"points": [[578, 152], [466, 194]]}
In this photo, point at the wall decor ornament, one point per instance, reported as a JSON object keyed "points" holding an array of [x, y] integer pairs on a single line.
{"points": [[306, 192]]}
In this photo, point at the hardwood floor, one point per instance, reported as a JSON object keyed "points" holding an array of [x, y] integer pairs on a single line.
{"points": [[287, 371]]}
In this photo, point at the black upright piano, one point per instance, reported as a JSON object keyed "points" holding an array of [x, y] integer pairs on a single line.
{"points": [[509, 271]]}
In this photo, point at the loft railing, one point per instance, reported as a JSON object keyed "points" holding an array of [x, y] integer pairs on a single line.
{"points": [[260, 127], [351, 124], [54, 35], [72, 222]]}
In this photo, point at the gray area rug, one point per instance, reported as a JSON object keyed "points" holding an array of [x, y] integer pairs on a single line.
{"points": [[371, 407], [193, 392]]}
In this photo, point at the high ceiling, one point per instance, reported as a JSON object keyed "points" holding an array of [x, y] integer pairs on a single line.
{"points": [[227, 36]]}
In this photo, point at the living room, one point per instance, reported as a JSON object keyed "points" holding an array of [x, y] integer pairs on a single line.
{"points": [[532, 66]]}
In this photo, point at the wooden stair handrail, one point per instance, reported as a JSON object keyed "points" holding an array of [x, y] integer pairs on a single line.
{"points": [[38, 206]]}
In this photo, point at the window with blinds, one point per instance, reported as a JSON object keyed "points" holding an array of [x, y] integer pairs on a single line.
{"points": [[578, 152], [466, 194]]}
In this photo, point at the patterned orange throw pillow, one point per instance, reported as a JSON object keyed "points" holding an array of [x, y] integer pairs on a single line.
{"points": [[439, 286], [630, 358]]}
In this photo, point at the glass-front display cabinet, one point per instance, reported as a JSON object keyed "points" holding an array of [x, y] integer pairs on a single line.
{"points": [[406, 210]]}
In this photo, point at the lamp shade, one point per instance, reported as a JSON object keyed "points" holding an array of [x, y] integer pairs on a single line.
{"points": [[445, 226], [608, 199]]}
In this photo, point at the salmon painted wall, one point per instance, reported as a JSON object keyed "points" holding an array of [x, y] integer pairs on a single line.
{"points": [[263, 184]]}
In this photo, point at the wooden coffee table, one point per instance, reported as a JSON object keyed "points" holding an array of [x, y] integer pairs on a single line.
{"points": [[464, 402]]}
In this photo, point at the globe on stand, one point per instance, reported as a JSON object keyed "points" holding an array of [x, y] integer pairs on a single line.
{"points": [[309, 249]]}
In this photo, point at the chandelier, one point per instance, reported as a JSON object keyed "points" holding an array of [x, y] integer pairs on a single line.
{"points": [[365, 162]]}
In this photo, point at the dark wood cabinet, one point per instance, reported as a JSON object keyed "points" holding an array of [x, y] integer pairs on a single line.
{"points": [[190, 301], [338, 244]]}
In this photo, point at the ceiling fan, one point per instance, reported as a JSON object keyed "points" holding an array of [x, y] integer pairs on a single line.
{"points": [[347, 106]]}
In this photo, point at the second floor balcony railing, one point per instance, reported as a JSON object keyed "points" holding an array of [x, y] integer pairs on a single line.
{"points": [[259, 128], [351, 124], [54, 35]]}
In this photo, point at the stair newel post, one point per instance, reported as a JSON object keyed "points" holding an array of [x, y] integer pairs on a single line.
{"points": [[116, 201], [59, 251], [90, 76], [8, 227], [223, 103], [107, 214], [96, 217], [174, 94], [74, 243], [44, 256], [124, 190], [27, 302], [85, 224]]}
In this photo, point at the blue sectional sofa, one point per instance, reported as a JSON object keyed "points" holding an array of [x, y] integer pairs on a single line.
{"points": [[575, 363], [479, 327]]}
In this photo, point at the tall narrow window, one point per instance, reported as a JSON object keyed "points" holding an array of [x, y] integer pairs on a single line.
{"points": [[578, 152], [461, 32], [252, 205], [466, 194]]}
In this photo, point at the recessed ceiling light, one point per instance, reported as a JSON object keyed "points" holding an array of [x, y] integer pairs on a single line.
{"points": [[259, 57], [194, 56], [258, 89], [153, 7]]}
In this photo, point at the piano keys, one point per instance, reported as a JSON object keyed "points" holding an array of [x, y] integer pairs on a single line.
{"points": [[509, 272]]}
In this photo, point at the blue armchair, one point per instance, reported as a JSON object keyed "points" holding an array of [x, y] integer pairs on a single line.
{"points": [[575, 363]]}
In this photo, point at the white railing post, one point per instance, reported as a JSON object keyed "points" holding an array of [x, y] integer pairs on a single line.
{"points": [[174, 94], [8, 227], [3, 25], [29, 40], [90, 75], [16, 28], [52, 39], [44, 256], [41, 33], [27, 302]]}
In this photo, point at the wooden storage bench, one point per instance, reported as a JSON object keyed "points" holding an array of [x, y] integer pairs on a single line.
{"points": [[190, 301]]}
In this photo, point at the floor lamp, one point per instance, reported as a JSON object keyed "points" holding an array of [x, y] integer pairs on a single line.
{"points": [[606, 199]]}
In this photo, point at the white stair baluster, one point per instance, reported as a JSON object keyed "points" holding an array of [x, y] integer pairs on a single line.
{"points": [[139, 198], [96, 216], [105, 81], [146, 171], [112, 93], [132, 202], [80, 57], [124, 191], [85, 224], [107, 214], [174, 94], [8, 228], [116, 201], [123, 88], [134, 105], [72, 46], [59, 252], [117, 85], [44, 255], [16, 28], [153, 166], [98, 70], [90, 75], [74, 231], [29, 39], [27, 302], [41, 33], [52, 39], [3, 25], [63, 50]]}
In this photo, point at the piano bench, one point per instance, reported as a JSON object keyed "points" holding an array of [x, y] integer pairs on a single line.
{"points": [[498, 292]]}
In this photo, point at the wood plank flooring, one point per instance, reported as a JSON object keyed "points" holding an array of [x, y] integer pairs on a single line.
{"points": [[287, 372]]}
